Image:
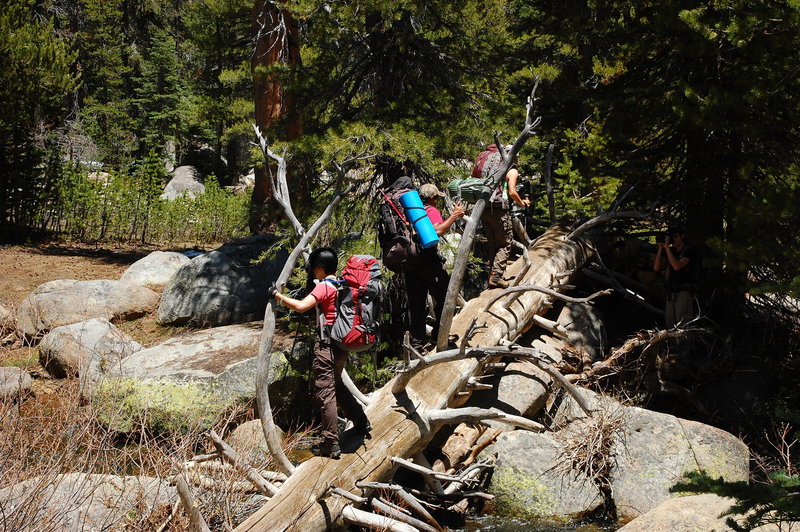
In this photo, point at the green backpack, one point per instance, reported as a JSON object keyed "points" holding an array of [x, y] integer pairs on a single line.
{"points": [[468, 190]]}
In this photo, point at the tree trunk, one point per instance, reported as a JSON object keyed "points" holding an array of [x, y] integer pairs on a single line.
{"points": [[400, 424], [277, 42]]}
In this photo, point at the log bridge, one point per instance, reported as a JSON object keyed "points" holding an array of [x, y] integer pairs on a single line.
{"points": [[322, 493]]}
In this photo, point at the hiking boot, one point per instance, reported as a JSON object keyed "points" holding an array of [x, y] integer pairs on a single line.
{"points": [[328, 449], [419, 346], [363, 427], [496, 281]]}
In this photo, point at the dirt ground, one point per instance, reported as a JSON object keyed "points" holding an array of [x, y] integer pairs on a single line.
{"points": [[23, 268]]}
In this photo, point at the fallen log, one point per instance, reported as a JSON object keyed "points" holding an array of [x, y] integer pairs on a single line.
{"points": [[400, 423]]}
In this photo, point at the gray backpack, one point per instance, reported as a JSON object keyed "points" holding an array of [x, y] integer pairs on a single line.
{"points": [[358, 305]]}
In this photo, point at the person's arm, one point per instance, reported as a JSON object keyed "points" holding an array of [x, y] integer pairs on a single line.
{"points": [[675, 262], [298, 305], [512, 176], [657, 261], [443, 227]]}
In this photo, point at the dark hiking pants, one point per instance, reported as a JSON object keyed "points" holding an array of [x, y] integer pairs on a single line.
{"points": [[329, 362], [427, 277], [499, 234]]}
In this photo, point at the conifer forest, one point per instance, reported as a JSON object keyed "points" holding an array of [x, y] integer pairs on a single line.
{"points": [[626, 119]]}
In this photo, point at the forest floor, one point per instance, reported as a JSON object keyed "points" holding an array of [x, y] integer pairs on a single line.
{"points": [[23, 268]]}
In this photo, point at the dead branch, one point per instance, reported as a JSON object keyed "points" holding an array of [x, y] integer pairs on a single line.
{"points": [[280, 189], [549, 291], [196, 521], [405, 497], [468, 235], [419, 468], [458, 446], [550, 326], [372, 521], [224, 468], [432, 482], [477, 494], [200, 458], [395, 513], [527, 266], [644, 340], [207, 483], [264, 360], [475, 415], [170, 517], [469, 475], [474, 383], [628, 294], [351, 386], [252, 474], [604, 218], [473, 454]]}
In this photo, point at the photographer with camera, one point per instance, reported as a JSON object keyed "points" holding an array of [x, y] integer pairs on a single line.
{"points": [[679, 262]]}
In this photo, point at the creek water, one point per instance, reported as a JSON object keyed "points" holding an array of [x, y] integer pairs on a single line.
{"points": [[496, 523]]}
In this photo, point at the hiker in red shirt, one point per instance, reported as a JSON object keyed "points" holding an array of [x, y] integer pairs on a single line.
{"points": [[329, 359], [429, 276]]}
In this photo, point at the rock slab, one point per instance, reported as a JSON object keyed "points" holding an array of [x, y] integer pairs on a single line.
{"points": [[186, 181], [529, 479], [74, 349], [14, 382], [655, 450], [224, 286], [81, 501], [64, 302], [185, 382], [156, 269], [695, 513]]}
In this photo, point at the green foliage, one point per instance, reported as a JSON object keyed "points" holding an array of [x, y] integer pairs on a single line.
{"points": [[368, 371], [36, 77], [103, 41], [756, 504], [690, 103], [122, 207], [160, 97]]}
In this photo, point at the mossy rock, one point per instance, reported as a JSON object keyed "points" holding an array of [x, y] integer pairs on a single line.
{"points": [[160, 405]]}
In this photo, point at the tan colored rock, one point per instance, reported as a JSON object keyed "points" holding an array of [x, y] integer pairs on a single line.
{"points": [[696, 513], [64, 302]]}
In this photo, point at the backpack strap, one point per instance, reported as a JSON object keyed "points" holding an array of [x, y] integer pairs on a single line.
{"points": [[394, 207], [322, 321]]}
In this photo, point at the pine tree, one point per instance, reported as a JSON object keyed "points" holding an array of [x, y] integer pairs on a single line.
{"points": [[36, 77]]}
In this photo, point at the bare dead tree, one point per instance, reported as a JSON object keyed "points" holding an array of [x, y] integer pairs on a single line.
{"points": [[605, 218], [406, 416], [281, 192], [468, 236], [548, 179], [196, 521]]}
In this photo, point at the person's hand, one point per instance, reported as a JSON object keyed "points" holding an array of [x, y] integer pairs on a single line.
{"points": [[272, 291], [526, 202], [458, 210]]}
